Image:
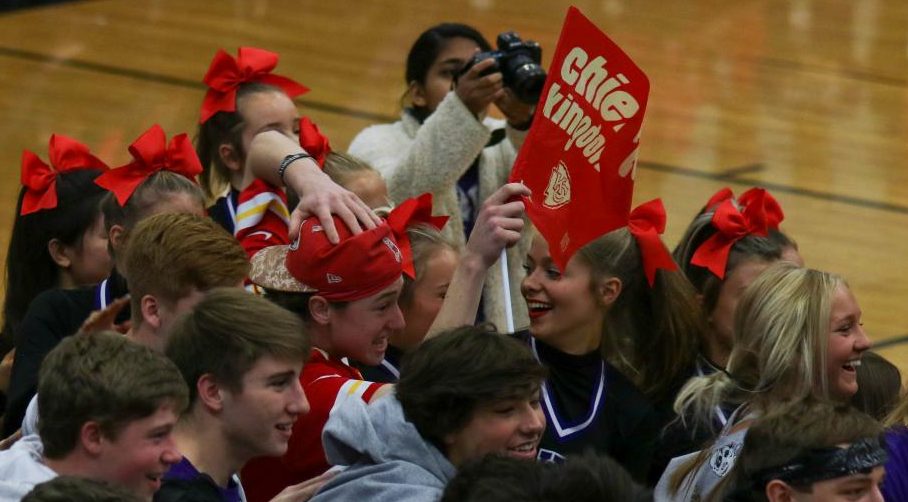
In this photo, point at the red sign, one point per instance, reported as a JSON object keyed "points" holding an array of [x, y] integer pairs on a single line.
{"points": [[580, 157]]}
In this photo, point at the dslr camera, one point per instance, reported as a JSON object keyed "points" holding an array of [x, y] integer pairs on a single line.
{"points": [[518, 61]]}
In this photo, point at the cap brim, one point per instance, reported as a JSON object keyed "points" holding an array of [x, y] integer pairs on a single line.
{"points": [[269, 271]]}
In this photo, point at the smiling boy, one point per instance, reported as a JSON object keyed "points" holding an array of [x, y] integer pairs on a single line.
{"points": [[107, 408]]}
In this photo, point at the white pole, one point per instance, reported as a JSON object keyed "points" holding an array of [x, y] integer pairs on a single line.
{"points": [[506, 282]]}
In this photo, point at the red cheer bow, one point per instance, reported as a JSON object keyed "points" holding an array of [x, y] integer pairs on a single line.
{"points": [[313, 141], [733, 225], [771, 208], [151, 154], [774, 214], [226, 74], [413, 211], [646, 223], [721, 196], [40, 180]]}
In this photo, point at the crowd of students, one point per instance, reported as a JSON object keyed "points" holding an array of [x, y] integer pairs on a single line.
{"points": [[352, 349]]}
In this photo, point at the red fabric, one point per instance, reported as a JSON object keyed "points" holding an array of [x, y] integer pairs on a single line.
{"points": [[226, 73], [313, 141], [413, 211], [731, 225], [647, 223], [262, 217], [580, 155], [151, 153], [771, 208], [358, 267], [720, 196], [40, 180], [322, 378]]}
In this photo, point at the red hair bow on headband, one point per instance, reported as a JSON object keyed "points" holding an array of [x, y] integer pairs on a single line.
{"points": [[733, 225], [152, 154], [40, 180], [774, 214], [412, 212], [313, 141], [646, 223], [226, 74]]}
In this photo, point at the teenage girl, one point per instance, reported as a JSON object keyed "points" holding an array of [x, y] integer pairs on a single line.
{"points": [[601, 326], [243, 99], [797, 334], [58, 238], [726, 246], [445, 144]]}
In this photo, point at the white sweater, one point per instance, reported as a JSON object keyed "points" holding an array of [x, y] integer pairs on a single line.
{"points": [[432, 157], [22, 467]]}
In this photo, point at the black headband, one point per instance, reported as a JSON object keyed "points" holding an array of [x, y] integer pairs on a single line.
{"points": [[827, 463]]}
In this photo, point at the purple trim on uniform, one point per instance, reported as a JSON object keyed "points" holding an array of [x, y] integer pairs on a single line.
{"points": [[184, 470], [895, 486]]}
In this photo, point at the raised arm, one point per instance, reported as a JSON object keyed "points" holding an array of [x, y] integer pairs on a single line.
{"points": [[498, 226], [319, 195]]}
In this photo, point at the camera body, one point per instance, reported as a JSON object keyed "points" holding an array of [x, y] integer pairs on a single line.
{"points": [[519, 64]]}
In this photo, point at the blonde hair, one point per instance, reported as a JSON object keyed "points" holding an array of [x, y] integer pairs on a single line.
{"points": [[651, 333], [781, 334], [425, 242]]}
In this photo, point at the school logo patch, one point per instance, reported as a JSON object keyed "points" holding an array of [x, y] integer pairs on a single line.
{"points": [[333, 279], [723, 459], [558, 191], [394, 249]]}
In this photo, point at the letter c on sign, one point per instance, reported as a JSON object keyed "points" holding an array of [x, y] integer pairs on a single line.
{"points": [[578, 56]]}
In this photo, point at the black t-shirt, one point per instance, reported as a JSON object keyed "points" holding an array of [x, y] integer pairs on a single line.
{"points": [[590, 405], [52, 316], [386, 372], [680, 437]]}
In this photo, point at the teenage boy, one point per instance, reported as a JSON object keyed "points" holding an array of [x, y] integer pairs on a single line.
{"points": [[241, 356], [813, 451], [462, 395], [107, 408]]}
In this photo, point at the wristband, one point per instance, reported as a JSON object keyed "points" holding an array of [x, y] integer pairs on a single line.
{"points": [[289, 160]]}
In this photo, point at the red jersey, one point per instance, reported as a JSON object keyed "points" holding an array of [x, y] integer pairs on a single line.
{"points": [[324, 379], [262, 217]]}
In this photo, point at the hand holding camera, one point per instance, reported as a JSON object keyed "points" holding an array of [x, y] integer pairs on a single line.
{"points": [[478, 86], [516, 67]]}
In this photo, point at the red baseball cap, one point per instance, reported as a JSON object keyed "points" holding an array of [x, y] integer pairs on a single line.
{"points": [[359, 266]]}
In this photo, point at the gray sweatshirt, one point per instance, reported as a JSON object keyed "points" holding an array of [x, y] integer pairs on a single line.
{"points": [[385, 456]]}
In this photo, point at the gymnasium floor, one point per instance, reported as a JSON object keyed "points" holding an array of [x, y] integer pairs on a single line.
{"points": [[808, 98]]}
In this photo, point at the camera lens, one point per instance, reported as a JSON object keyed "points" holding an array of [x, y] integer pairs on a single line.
{"points": [[529, 79]]}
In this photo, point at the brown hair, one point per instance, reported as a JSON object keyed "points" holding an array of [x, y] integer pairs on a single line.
{"points": [[650, 333], [105, 378], [791, 432], [879, 386], [227, 332], [169, 254], [223, 128], [449, 376], [71, 488]]}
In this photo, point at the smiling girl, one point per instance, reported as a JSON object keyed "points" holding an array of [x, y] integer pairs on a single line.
{"points": [[798, 333]]}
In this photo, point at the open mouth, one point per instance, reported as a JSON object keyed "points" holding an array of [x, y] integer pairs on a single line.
{"points": [[285, 429], [852, 365], [155, 480], [538, 309], [524, 450]]}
